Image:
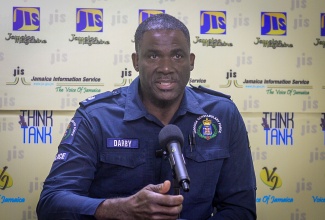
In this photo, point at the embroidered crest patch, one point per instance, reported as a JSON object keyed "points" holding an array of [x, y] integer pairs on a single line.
{"points": [[71, 131], [207, 127]]}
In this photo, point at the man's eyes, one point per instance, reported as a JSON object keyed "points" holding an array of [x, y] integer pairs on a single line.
{"points": [[155, 56], [178, 56]]}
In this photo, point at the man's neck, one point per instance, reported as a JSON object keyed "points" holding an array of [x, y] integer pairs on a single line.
{"points": [[163, 113]]}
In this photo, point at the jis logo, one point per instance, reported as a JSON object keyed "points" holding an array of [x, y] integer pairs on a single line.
{"points": [[19, 74], [89, 20], [322, 24], [146, 13], [274, 23], [26, 18], [207, 127], [213, 22]]}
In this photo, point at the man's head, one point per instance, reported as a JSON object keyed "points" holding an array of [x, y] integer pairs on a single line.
{"points": [[163, 60], [160, 22]]}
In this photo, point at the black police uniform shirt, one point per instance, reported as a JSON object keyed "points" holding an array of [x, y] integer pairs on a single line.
{"points": [[109, 151]]}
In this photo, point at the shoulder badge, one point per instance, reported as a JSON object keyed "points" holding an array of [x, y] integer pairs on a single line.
{"points": [[70, 133], [210, 91]]}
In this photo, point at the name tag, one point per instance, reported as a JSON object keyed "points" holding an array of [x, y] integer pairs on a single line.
{"points": [[122, 143]]}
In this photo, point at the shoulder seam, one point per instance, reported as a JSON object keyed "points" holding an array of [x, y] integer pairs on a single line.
{"points": [[98, 97], [210, 91]]}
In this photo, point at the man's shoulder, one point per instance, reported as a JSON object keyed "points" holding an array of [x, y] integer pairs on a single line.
{"points": [[203, 90], [104, 97]]}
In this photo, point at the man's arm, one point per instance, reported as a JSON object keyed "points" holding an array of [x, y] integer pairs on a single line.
{"points": [[235, 196]]}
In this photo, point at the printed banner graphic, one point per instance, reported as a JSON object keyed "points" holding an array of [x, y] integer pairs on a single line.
{"points": [[267, 55]]}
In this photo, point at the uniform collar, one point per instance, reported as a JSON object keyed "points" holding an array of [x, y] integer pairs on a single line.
{"points": [[135, 109]]}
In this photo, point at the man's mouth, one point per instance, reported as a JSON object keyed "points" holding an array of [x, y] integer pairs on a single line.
{"points": [[165, 85]]}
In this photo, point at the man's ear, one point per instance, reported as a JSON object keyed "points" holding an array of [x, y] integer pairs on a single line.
{"points": [[192, 59], [135, 61]]}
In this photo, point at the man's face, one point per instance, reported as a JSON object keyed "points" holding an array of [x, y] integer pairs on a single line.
{"points": [[164, 63]]}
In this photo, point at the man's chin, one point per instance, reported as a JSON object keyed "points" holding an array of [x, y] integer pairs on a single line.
{"points": [[165, 98], [164, 102]]}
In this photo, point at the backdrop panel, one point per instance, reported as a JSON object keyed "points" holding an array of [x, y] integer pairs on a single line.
{"points": [[268, 55]]}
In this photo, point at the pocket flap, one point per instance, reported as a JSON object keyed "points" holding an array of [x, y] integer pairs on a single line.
{"points": [[198, 154], [123, 159]]}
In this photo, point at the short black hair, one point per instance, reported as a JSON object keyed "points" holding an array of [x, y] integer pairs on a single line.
{"points": [[160, 22]]}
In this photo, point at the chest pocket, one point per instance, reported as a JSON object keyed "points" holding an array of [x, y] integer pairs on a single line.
{"points": [[204, 164], [128, 158], [201, 153], [124, 171], [121, 172]]}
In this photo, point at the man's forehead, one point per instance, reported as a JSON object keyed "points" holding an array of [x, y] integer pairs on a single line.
{"points": [[161, 38], [164, 36], [163, 32]]}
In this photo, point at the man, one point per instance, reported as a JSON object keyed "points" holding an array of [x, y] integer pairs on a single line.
{"points": [[106, 166]]}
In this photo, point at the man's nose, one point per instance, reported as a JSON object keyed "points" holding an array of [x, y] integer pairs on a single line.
{"points": [[166, 66]]}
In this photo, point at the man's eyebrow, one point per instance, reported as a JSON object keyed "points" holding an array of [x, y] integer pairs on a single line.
{"points": [[152, 51], [173, 51], [178, 50]]}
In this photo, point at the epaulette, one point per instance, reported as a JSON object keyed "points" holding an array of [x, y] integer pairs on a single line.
{"points": [[210, 91], [98, 97]]}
